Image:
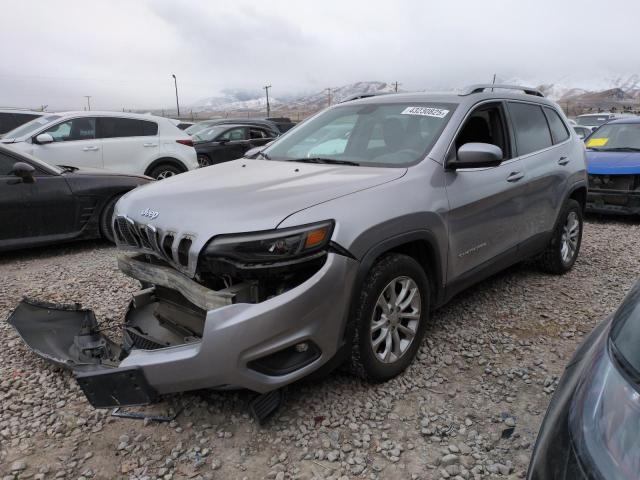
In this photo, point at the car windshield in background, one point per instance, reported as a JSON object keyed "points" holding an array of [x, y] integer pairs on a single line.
{"points": [[592, 120], [31, 126], [616, 137], [626, 330], [210, 133], [381, 134]]}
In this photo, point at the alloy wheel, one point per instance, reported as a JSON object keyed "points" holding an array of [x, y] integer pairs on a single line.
{"points": [[569, 238], [395, 320]]}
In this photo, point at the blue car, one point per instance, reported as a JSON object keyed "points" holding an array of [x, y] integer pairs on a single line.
{"points": [[613, 166]]}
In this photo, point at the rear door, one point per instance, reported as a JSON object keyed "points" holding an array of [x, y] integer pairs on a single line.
{"points": [[486, 204], [74, 143], [543, 144], [129, 145]]}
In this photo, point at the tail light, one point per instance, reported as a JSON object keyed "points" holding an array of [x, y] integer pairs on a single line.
{"points": [[188, 143]]}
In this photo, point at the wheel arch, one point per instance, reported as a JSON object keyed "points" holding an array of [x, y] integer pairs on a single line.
{"points": [[579, 194], [165, 160]]}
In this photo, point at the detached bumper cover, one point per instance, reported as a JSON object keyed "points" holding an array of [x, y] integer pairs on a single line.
{"points": [[234, 335]]}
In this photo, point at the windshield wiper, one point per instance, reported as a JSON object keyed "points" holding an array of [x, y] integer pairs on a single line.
{"points": [[327, 161], [68, 168], [620, 149], [263, 155]]}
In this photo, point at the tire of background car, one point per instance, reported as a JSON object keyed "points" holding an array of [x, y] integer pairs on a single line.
{"points": [[106, 216], [385, 321], [563, 248], [204, 160], [165, 170]]}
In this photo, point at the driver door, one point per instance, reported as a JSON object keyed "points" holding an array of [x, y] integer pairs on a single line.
{"points": [[486, 205]]}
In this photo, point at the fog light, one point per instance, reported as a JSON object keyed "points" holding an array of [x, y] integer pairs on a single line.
{"points": [[302, 347], [287, 360]]}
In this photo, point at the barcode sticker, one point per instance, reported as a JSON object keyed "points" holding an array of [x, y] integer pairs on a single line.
{"points": [[426, 112]]}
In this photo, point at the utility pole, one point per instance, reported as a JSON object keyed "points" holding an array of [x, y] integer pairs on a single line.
{"points": [[395, 85], [88, 97], [175, 82], [328, 96], [266, 90], [493, 82]]}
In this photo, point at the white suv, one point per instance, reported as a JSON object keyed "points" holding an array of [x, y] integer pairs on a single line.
{"points": [[124, 142]]}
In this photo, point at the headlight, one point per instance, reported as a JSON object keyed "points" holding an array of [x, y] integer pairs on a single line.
{"points": [[272, 246], [605, 420]]}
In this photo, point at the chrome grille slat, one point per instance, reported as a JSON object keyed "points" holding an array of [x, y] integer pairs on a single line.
{"points": [[168, 246]]}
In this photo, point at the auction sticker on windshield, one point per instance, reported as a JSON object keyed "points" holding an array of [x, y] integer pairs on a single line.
{"points": [[597, 142], [426, 111]]}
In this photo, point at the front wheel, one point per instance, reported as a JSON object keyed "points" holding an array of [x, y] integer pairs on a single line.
{"points": [[106, 219], [391, 318], [204, 160], [563, 248]]}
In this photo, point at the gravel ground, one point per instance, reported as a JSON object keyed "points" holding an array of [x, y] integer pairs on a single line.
{"points": [[469, 407]]}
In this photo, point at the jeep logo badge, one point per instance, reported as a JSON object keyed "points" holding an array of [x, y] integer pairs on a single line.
{"points": [[149, 213]]}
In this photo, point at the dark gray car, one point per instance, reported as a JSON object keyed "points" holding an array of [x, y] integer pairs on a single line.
{"points": [[334, 245]]}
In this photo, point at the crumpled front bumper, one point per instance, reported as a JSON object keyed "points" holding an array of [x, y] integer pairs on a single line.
{"points": [[233, 336]]}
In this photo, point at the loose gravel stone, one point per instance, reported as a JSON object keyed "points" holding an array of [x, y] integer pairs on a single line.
{"points": [[469, 406]]}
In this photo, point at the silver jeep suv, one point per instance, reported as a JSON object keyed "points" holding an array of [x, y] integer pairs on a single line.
{"points": [[331, 247]]}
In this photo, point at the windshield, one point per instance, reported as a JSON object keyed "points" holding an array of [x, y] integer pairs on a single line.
{"points": [[615, 136], [384, 134], [626, 329], [30, 127], [208, 134], [593, 120]]}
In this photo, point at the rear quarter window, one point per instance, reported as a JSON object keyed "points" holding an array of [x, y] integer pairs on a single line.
{"points": [[112, 127], [559, 131], [530, 127]]}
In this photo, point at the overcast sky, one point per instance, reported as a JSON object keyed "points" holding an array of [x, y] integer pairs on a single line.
{"points": [[124, 52]]}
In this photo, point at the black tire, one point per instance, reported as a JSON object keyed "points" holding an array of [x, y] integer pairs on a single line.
{"points": [[165, 170], [552, 259], [106, 217], [364, 362]]}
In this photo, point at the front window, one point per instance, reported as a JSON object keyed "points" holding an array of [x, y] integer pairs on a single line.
{"points": [[385, 134], [32, 126], [77, 129], [616, 137], [208, 134], [592, 120]]}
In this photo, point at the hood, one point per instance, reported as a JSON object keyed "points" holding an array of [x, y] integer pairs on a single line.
{"points": [[244, 195], [613, 163]]}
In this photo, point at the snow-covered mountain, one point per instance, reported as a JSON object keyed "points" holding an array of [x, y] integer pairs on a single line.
{"points": [[243, 100]]}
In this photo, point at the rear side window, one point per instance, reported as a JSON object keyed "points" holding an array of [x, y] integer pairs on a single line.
{"points": [[111, 127], [530, 126], [6, 164], [559, 131]]}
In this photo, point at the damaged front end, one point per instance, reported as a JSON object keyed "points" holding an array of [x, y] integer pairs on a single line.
{"points": [[614, 194], [237, 322]]}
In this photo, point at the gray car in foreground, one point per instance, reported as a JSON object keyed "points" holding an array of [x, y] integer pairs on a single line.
{"points": [[331, 247]]}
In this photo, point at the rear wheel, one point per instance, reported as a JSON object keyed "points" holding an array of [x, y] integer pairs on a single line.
{"points": [[391, 318], [562, 251], [203, 160], [106, 219], [164, 170]]}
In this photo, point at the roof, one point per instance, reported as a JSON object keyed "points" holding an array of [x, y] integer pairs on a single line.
{"points": [[630, 119], [20, 110], [106, 113]]}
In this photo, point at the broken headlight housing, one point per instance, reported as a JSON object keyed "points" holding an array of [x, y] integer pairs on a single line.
{"points": [[269, 249]]}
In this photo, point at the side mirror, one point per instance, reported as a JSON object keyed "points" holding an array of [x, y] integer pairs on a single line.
{"points": [[44, 138], [477, 155], [24, 171]]}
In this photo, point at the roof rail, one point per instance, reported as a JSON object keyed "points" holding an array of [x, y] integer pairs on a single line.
{"points": [[485, 86]]}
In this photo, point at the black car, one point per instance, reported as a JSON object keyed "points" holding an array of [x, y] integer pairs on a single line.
{"points": [[222, 143], [42, 204], [10, 119], [592, 427]]}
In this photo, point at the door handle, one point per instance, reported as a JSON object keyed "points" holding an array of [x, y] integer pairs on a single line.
{"points": [[149, 144], [92, 148], [563, 161], [515, 176]]}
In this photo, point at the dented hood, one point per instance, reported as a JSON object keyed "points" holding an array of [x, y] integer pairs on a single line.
{"points": [[244, 195]]}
